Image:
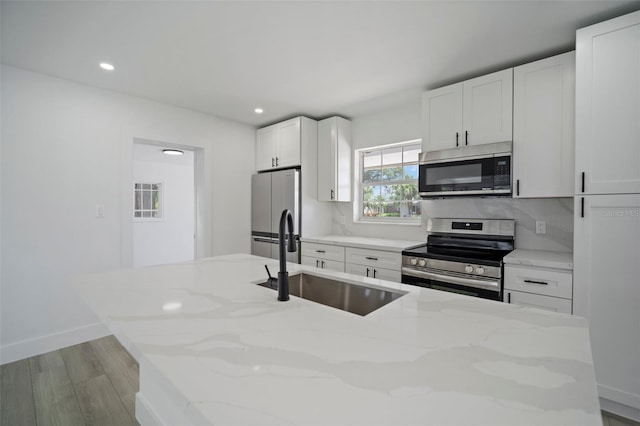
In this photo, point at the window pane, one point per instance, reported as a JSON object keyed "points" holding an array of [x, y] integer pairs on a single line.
{"points": [[137, 200], [388, 193], [155, 214], [411, 172], [137, 214], [371, 159], [137, 186], [392, 156], [392, 173], [371, 175], [410, 153], [146, 214], [155, 201], [155, 186], [146, 186], [146, 200]]}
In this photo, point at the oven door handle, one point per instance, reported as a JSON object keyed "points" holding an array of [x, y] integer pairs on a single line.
{"points": [[469, 282]]}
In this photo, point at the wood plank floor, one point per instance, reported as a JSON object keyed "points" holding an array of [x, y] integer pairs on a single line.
{"points": [[93, 383]]}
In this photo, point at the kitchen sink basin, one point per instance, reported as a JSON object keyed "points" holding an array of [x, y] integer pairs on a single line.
{"points": [[354, 298]]}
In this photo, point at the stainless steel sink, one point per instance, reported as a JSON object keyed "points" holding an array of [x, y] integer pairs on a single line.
{"points": [[349, 297]]}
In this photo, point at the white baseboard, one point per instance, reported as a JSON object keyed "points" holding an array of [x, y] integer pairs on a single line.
{"points": [[43, 344]]}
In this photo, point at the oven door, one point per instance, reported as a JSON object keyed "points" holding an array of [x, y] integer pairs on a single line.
{"points": [[465, 177], [485, 288]]}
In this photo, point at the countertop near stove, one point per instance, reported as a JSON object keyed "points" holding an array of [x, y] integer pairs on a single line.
{"points": [[363, 242], [214, 348], [540, 258]]}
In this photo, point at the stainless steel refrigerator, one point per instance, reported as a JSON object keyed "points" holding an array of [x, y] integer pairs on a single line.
{"points": [[271, 193]]}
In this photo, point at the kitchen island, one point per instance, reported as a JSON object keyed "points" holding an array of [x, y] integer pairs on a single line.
{"points": [[215, 348]]}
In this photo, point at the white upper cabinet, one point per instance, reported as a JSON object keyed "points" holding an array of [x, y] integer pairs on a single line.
{"points": [[474, 112], [334, 159], [278, 145], [487, 113], [442, 116], [543, 127], [266, 147], [608, 107]]}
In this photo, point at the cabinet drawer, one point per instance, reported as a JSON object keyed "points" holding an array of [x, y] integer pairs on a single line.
{"points": [[373, 272], [539, 281], [375, 258], [323, 251], [554, 304], [331, 265]]}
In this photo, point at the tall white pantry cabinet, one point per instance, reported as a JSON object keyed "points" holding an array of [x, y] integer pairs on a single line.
{"points": [[607, 205]]}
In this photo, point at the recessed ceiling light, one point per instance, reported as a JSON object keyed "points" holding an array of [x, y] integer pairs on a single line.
{"points": [[172, 151], [258, 110], [106, 66]]}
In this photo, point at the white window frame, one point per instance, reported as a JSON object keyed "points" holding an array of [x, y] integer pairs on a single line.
{"points": [[160, 209], [358, 190]]}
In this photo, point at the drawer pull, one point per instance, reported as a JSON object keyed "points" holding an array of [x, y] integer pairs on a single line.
{"points": [[374, 273], [536, 282], [320, 251], [367, 272], [371, 258], [317, 262]]}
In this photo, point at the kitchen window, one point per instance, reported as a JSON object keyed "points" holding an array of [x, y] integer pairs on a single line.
{"points": [[147, 201], [388, 183]]}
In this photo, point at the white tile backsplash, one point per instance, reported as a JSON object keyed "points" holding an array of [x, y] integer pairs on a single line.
{"points": [[556, 212]]}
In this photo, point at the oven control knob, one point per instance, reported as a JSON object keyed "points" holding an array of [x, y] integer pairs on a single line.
{"points": [[468, 269], [422, 262], [480, 270], [413, 261]]}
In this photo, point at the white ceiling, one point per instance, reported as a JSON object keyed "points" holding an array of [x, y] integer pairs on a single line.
{"points": [[297, 57]]}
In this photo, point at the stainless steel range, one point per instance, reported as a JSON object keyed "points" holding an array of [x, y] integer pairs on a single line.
{"points": [[461, 256]]}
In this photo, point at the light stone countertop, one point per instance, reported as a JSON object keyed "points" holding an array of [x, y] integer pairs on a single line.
{"points": [[540, 259], [225, 351], [364, 242]]}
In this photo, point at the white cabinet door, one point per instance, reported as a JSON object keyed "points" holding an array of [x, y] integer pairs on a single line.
{"points": [[330, 265], [266, 147], [608, 107], [554, 304], [607, 289], [487, 112], [373, 272], [543, 127], [442, 118], [334, 159], [288, 153]]}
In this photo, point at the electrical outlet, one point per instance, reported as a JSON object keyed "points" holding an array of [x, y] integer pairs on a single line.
{"points": [[541, 227], [99, 210]]}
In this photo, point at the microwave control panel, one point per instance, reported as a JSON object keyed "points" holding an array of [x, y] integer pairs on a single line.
{"points": [[502, 172]]}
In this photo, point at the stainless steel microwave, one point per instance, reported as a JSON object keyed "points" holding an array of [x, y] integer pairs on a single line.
{"points": [[476, 170]]}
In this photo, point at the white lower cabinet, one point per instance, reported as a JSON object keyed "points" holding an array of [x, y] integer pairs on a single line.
{"points": [[540, 288], [373, 272], [331, 265], [324, 256], [384, 265], [538, 301]]}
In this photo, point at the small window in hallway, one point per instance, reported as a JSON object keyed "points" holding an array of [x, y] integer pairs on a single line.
{"points": [[147, 201]]}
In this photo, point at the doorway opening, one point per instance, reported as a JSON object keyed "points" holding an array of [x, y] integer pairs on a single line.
{"points": [[165, 193]]}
